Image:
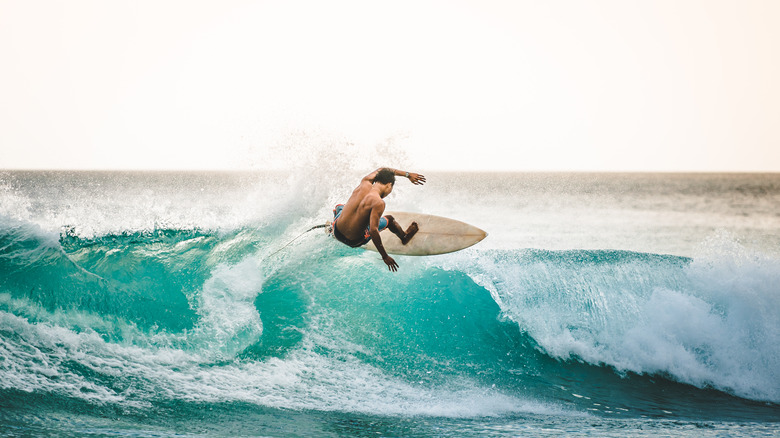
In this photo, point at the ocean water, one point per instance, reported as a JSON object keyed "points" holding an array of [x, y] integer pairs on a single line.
{"points": [[160, 304]]}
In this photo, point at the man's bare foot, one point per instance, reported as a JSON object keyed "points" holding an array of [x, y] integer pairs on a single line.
{"points": [[410, 232]]}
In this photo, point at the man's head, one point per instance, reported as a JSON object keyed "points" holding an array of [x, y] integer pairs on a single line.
{"points": [[386, 177]]}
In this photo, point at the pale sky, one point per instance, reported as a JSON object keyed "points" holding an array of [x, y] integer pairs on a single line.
{"points": [[623, 85]]}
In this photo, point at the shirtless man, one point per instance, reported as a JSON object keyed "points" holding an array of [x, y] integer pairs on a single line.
{"points": [[360, 220]]}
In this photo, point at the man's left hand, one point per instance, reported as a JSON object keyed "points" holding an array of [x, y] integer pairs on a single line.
{"points": [[416, 179]]}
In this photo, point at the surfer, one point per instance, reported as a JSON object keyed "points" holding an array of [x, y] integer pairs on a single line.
{"points": [[360, 220]]}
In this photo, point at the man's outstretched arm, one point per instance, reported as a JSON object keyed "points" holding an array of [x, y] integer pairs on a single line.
{"points": [[415, 178]]}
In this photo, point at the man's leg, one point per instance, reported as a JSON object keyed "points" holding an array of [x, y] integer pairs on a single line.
{"points": [[395, 227]]}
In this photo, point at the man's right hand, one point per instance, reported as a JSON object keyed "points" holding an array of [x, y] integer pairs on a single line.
{"points": [[391, 264]]}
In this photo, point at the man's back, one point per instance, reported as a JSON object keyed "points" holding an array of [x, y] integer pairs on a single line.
{"points": [[357, 211]]}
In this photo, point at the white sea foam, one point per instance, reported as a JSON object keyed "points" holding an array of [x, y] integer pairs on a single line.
{"points": [[228, 320]]}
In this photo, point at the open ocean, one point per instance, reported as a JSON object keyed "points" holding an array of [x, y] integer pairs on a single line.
{"points": [[155, 304]]}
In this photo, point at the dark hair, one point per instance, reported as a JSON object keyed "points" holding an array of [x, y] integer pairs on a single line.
{"points": [[385, 176]]}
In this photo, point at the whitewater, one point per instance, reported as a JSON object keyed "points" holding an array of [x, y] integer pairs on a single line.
{"points": [[166, 303]]}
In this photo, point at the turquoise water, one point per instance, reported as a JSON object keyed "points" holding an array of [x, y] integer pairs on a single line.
{"points": [[156, 304]]}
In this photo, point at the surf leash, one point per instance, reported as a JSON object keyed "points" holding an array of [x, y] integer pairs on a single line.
{"points": [[298, 237]]}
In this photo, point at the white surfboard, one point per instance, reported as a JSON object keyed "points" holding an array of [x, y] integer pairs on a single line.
{"points": [[437, 235]]}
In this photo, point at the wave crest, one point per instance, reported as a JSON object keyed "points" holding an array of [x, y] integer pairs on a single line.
{"points": [[709, 321]]}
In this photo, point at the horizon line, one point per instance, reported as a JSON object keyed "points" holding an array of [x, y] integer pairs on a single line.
{"points": [[285, 170]]}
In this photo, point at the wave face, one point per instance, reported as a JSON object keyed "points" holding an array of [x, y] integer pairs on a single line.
{"points": [[169, 321], [190, 315]]}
